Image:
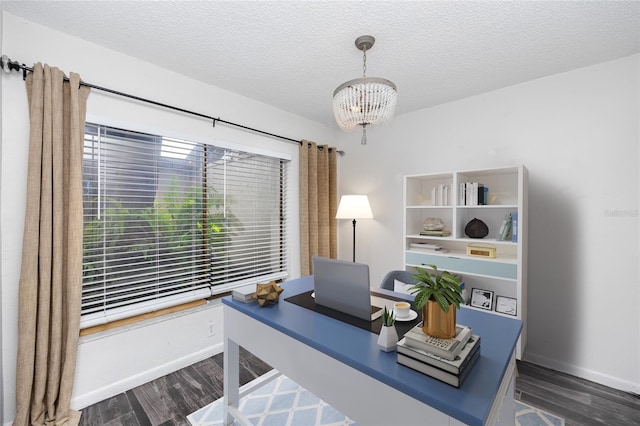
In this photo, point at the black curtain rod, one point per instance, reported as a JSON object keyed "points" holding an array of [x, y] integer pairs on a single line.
{"points": [[8, 65]]}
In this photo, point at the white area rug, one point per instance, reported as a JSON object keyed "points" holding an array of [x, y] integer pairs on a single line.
{"points": [[282, 402]]}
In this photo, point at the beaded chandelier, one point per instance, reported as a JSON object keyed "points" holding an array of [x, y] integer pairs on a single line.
{"points": [[366, 100]]}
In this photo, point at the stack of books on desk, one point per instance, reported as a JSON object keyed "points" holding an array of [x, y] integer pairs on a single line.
{"points": [[244, 294], [448, 360]]}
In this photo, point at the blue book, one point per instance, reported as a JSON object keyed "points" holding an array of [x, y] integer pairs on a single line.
{"points": [[514, 227]]}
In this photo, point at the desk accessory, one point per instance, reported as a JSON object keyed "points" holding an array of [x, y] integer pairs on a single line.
{"points": [[476, 229], [438, 295], [488, 252], [506, 305], [388, 338], [268, 293], [428, 360], [482, 299], [444, 348], [245, 293]]}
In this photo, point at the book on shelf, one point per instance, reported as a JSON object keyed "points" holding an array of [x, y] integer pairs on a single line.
{"points": [[245, 293], [477, 189], [433, 248], [440, 195], [514, 227], [442, 233], [444, 376], [483, 195], [454, 366], [504, 233], [444, 348], [473, 194]]}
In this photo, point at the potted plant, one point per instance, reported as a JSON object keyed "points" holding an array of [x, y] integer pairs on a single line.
{"points": [[388, 338], [438, 295]]}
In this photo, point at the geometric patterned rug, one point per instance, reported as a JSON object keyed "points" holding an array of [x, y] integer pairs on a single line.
{"points": [[282, 402]]}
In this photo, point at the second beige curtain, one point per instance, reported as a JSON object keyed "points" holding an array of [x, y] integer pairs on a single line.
{"points": [[318, 204], [51, 274]]}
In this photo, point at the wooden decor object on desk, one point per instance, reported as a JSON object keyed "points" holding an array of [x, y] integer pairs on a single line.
{"points": [[268, 293]]}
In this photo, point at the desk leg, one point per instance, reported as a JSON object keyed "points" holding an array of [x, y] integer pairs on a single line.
{"points": [[231, 365]]}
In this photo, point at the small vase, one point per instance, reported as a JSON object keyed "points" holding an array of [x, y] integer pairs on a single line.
{"points": [[437, 323], [388, 338]]}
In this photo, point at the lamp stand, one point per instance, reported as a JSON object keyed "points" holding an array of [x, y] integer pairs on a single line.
{"points": [[354, 240]]}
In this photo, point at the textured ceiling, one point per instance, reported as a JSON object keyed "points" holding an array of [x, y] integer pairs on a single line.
{"points": [[293, 54]]}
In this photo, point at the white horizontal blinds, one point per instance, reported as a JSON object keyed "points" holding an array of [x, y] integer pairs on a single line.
{"points": [[251, 201], [144, 245]]}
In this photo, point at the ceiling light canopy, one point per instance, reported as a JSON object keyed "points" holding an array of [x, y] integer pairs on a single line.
{"points": [[366, 100]]}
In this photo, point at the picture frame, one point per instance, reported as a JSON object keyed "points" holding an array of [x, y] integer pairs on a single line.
{"points": [[482, 299], [507, 305]]}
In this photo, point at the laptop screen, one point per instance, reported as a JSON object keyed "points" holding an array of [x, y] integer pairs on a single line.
{"points": [[344, 286]]}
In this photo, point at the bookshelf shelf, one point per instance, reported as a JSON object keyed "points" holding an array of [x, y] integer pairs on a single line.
{"points": [[441, 196]]}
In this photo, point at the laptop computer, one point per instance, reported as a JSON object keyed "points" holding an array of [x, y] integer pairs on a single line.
{"points": [[344, 286]]}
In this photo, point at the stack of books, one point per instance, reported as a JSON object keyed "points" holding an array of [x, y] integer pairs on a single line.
{"points": [[246, 294], [442, 233], [473, 194], [435, 248], [448, 360]]}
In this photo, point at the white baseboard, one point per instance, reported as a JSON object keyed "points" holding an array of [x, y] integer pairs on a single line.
{"points": [[594, 376], [78, 402]]}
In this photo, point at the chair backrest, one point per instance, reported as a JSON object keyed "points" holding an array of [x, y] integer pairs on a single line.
{"points": [[404, 276]]}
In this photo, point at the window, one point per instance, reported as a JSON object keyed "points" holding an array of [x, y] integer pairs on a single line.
{"points": [[168, 221]]}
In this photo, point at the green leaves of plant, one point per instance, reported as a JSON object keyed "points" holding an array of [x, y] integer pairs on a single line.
{"points": [[443, 288], [388, 319]]}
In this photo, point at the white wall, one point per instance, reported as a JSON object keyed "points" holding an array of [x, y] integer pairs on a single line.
{"points": [[115, 361], [578, 134], [1, 322]]}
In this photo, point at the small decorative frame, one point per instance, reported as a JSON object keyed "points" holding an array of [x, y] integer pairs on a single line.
{"points": [[506, 305], [482, 299]]}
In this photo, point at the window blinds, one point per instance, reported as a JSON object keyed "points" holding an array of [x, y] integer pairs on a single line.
{"points": [[168, 221]]}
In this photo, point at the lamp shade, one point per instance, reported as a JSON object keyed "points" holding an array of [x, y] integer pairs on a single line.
{"points": [[354, 207]]}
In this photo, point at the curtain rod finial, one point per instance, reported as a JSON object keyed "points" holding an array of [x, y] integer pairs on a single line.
{"points": [[8, 65], [4, 62]]}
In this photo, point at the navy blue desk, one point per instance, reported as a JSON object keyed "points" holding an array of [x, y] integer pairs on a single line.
{"points": [[343, 365]]}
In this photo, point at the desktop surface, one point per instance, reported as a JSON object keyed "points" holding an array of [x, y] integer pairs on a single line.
{"points": [[471, 403]]}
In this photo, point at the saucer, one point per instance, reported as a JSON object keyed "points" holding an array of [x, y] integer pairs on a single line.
{"points": [[412, 315]]}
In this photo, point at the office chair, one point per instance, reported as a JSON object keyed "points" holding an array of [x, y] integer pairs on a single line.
{"points": [[403, 276]]}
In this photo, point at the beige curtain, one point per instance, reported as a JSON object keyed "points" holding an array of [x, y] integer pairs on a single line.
{"points": [[318, 204], [51, 274]]}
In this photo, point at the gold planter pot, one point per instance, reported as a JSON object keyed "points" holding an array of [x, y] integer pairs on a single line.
{"points": [[437, 323]]}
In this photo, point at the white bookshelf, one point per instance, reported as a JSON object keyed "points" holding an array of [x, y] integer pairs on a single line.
{"points": [[506, 275]]}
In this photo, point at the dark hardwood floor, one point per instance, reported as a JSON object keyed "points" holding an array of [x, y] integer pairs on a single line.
{"points": [[579, 401], [168, 400]]}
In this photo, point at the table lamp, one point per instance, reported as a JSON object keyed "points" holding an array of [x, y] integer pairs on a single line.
{"points": [[354, 207]]}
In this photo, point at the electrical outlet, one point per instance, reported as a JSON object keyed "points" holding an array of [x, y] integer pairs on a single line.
{"points": [[212, 328]]}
